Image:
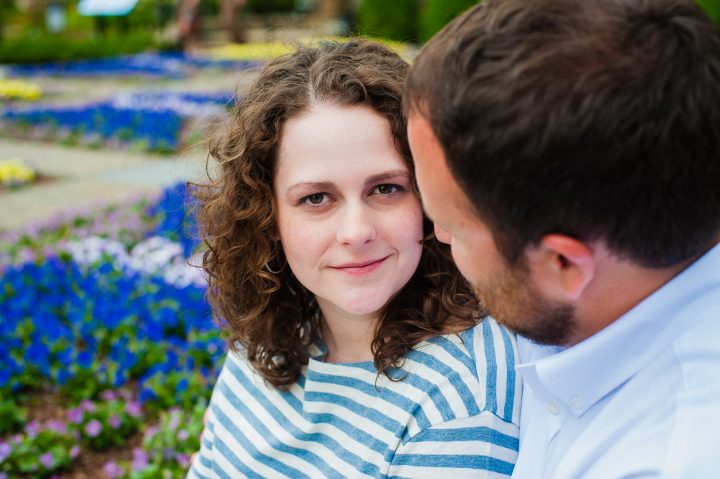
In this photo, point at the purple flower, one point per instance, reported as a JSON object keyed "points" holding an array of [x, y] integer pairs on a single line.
{"points": [[5, 450], [86, 405], [112, 470], [74, 452], [55, 425], [3, 475], [33, 428], [133, 409], [174, 421], [108, 395], [47, 460], [183, 460], [140, 459], [115, 421], [183, 434], [75, 415], [93, 428]]}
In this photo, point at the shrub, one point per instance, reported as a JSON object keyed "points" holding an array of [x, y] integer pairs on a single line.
{"points": [[270, 6], [45, 48], [395, 20], [435, 14]]}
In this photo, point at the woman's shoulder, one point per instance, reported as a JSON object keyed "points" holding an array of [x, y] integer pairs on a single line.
{"points": [[477, 365]]}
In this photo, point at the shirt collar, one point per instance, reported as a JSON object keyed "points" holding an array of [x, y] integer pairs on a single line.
{"points": [[583, 374]]}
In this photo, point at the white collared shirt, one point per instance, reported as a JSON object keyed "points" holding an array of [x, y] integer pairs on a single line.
{"points": [[641, 398]]}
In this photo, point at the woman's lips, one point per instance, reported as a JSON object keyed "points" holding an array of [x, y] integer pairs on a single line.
{"points": [[360, 268]]}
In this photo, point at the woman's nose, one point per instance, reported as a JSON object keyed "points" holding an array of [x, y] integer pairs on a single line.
{"points": [[357, 226]]}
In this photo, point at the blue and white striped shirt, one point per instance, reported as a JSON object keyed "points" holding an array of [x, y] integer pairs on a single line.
{"points": [[454, 414]]}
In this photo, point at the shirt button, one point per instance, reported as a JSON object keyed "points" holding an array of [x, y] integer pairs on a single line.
{"points": [[576, 402], [553, 408]]}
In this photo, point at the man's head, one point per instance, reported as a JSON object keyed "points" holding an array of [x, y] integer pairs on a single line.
{"points": [[577, 128]]}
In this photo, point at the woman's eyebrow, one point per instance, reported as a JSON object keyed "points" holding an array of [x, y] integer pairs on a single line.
{"points": [[388, 175], [327, 185]]}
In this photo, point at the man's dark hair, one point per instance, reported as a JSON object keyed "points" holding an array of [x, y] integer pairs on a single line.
{"points": [[598, 119]]}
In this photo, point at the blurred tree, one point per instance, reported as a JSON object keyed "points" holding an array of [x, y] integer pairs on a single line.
{"points": [[7, 7], [435, 14], [394, 20], [229, 11], [712, 8]]}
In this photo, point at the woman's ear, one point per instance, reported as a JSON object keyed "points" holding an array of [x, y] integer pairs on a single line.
{"points": [[562, 266]]}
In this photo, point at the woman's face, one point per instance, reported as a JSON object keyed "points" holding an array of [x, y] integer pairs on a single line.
{"points": [[349, 222]]}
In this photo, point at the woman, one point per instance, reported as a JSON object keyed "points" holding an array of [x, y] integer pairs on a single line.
{"points": [[357, 349]]}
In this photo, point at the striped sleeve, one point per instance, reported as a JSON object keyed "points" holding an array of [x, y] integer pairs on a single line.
{"points": [[201, 467], [480, 446]]}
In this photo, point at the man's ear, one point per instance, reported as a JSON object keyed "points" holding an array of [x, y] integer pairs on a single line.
{"points": [[562, 266]]}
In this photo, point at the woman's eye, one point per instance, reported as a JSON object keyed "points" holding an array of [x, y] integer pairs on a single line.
{"points": [[315, 199], [388, 189]]}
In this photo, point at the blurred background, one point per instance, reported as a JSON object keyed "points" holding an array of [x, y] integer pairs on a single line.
{"points": [[108, 352]]}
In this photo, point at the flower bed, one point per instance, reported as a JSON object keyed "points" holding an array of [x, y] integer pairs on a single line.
{"points": [[113, 324], [149, 65], [14, 174], [263, 51], [151, 121], [18, 90]]}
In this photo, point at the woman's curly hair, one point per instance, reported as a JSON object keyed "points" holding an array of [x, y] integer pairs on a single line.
{"points": [[265, 311]]}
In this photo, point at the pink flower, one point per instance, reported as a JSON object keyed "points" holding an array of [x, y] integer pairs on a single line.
{"points": [[112, 470], [183, 460], [56, 426], [133, 409], [108, 395], [115, 421], [33, 428], [5, 450], [76, 415], [47, 460], [93, 428], [74, 452], [140, 459], [86, 405]]}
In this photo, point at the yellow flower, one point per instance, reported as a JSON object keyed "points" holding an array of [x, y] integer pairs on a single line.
{"points": [[15, 173], [267, 51], [250, 51], [19, 90]]}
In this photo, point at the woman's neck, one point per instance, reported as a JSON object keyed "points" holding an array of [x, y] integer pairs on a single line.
{"points": [[348, 337]]}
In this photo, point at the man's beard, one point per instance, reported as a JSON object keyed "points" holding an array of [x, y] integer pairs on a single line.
{"points": [[513, 300]]}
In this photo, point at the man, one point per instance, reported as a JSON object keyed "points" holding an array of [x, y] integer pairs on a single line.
{"points": [[569, 153]]}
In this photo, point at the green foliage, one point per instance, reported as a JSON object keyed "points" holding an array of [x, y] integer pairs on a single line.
{"points": [[394, 20], [151, 13], [39, 454], [105, 424], [271, 6], [44, 48], [437, 13], [712, 8], [12, 416]]}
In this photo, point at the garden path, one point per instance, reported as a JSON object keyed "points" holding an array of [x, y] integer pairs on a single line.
{"points": [[81, 178]]}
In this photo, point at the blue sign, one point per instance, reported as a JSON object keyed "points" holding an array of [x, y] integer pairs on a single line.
{"points": [[116, 8]]}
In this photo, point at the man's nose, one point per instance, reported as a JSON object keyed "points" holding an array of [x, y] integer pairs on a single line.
{"points": [[442, 235]]}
